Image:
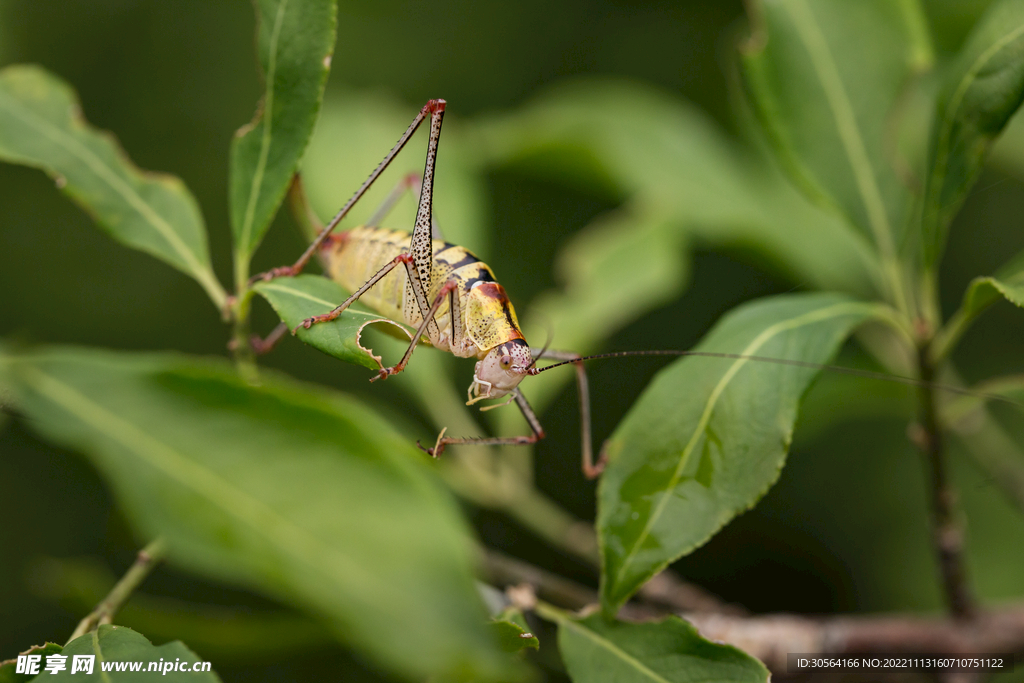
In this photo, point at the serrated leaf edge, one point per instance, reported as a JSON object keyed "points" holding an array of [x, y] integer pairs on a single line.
{"points": [[835, 310]]}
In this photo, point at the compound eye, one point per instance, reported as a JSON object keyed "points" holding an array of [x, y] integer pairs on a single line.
{"points": [[505, 362]]}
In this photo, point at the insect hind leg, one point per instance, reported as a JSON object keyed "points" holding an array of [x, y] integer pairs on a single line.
{"points": [[433, 109]]}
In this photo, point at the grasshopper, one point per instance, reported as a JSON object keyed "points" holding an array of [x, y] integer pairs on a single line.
{"points": [[448, 295], [455, 304]]}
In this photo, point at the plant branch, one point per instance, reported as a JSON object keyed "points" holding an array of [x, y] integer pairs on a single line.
{"points": [[947, 537], [771, 637], [662, 594], [240, 344], [145, 562], [946, 338]]}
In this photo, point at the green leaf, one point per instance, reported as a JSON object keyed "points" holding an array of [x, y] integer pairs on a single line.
{"points": [[9, 668], [676, 165], [513, 632], [824, 77], [115, 649], [983, 90], [41, 125], [295, 41], [298, 298], [302, 494], [1007, 283], [685, 181], [1007, 151], [356, 130], [668, 651], [220, 632], [708, 437]]}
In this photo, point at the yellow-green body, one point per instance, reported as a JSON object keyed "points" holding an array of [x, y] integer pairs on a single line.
{"points": [[488, 318]]}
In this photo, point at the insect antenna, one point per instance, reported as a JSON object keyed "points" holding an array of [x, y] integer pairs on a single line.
{"points": [[870, 374], [531, 368]]}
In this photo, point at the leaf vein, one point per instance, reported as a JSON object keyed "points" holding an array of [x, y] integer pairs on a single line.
{"points": [[221, 493], [765, 336], [846, 124], [958, 97], [99, 654], [613, 649], [116, 183], [267, 134]]}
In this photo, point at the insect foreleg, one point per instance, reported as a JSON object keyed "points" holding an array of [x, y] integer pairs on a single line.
{"points": [[446, 291], [591, 470], [433, 107], [531, 419]]}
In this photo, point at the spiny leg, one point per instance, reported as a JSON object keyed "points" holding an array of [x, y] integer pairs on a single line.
{"points": [[531, 419], [447, 290], [433, 107], [591, 470], [333, 314]]}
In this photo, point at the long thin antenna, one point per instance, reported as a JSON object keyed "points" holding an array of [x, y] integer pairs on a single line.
{"points": [[910, 381]]}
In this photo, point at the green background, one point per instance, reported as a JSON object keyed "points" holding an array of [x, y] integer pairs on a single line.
{"points": [[845, 527]]}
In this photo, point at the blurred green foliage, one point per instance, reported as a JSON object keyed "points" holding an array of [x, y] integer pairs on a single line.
{"points": [[845, 527]]}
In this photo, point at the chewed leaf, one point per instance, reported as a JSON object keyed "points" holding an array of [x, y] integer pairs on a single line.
{"points": [[9, 668], [708, 437], [297, 298], [41, 125]]}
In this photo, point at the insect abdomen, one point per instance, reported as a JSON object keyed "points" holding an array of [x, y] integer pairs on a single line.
{"points": [[488, 318]]}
